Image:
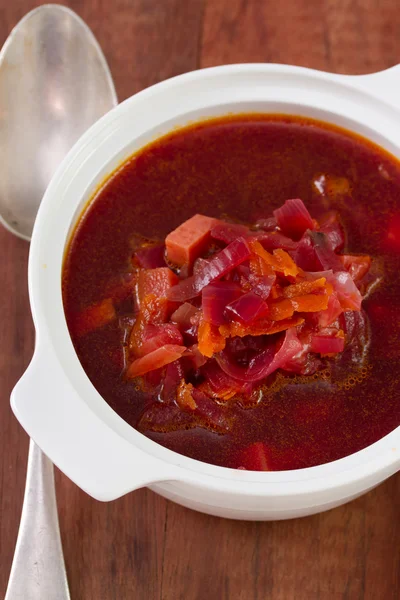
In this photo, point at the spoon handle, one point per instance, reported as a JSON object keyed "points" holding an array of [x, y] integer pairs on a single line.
{"points": [[38, 569]]}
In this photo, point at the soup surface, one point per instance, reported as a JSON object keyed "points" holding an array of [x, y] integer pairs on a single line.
{"points": [[240, 169]]}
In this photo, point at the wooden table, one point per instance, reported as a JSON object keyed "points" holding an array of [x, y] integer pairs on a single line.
{"points": [[142, 547]]}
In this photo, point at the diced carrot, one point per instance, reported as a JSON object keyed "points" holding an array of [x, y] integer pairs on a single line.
{"points": [[258, 250], [93, 317], [210, 339], [259, 267], [225, 330], [304, 287], [286, 263], [310, 302], [189, 240], [276, 292], [136, 335], [336, 186], [153, 310], [280, 260], [156, 281], [280, 309], [262, 327], [184, 397], [155, 360]]}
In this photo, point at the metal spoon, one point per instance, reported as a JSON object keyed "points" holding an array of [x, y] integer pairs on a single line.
{"points": [[54, 83]]}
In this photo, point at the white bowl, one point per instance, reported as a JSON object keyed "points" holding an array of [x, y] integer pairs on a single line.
{"points": [[55, 401]]}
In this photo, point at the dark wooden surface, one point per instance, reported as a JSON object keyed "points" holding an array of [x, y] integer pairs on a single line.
{"points": [[142, 547]]}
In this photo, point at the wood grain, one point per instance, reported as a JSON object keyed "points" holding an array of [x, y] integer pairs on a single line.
{"points": [[142, 547]]}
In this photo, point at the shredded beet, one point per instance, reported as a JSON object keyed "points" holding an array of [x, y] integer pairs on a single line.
{"points": [[249, 300], [217, 297], [229, 232], [155, 336], [222, 263], [293, 218], [331, 226], [275, 239], [247, 308]]}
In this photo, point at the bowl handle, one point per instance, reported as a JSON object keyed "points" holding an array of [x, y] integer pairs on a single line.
{"points": [[91, 453], [383, 84]]}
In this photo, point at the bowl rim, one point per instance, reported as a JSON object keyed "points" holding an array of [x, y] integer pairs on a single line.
{"points": [[383, 454]]}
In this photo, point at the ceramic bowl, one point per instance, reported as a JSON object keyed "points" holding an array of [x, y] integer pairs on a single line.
{"points": [[55, 401]]}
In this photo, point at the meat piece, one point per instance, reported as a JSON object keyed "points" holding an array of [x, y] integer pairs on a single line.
{"points": [[189, 240]]}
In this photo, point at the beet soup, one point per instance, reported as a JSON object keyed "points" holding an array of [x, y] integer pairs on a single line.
{"points": [[233, 292]]}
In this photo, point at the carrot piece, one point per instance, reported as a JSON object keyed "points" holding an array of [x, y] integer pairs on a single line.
{"points": [[276, 292], [304, 287], [156, 281], [258, 249], [93, 317], [286, 263], [310, 302], [280, 260], [262, 327], [280, 309], [210, 339], [153, 310], [184, 397], [259, 267], [189, 240], [155, 360]]}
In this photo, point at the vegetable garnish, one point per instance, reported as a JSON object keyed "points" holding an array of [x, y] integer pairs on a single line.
{"points": [[236, 303], [249, 337]]}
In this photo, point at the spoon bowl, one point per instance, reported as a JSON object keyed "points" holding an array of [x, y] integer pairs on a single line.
{"points": [[54, 84]]}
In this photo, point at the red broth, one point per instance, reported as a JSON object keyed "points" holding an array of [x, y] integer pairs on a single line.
{"points": [[243, 167]]}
